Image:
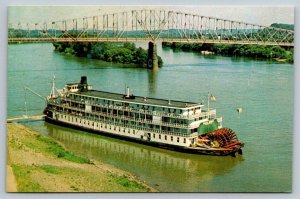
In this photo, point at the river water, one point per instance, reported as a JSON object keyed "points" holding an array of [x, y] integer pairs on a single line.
{"points": [[263, 89]]}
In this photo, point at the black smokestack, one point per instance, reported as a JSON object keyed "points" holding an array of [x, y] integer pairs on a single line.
{"points": [[83, 80], [83, 86]]}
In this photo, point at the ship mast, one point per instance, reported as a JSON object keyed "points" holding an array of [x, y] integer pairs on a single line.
{"points": [[52, 93], [208, 102], [212, 98]]}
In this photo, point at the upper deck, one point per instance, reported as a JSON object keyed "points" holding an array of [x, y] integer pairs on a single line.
{"points": [[138, 99]]}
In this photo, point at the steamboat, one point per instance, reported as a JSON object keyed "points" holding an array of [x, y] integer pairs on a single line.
{"points": [[176, 125]]}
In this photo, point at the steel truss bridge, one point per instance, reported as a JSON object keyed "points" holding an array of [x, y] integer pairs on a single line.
{"points": [[150, 26]]}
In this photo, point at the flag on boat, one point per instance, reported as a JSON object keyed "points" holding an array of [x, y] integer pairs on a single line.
{"points": [[212, 98]]}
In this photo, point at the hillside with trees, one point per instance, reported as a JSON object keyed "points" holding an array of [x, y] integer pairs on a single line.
{"points": [[283, 26]]}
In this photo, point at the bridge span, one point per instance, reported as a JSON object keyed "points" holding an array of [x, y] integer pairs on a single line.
{"points": [[93, 40], [150, 26]]}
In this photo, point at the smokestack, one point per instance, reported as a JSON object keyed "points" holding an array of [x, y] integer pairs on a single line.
{"points": [[83, 80], [83, 86]]}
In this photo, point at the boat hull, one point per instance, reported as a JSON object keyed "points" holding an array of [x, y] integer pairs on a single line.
{"points": [[193, 150]]}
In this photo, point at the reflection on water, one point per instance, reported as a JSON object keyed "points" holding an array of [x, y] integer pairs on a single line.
{"points": [[152, 82], [156, 166]]}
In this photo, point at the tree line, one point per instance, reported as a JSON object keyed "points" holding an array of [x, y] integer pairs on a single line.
{"points": [[125, 53], [254, 51], [285, 54], [283, 26]]}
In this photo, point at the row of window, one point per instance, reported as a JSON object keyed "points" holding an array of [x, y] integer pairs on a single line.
{"points": [[134, 106], [139, 115], [72, 87], [119, 128], [92, 123], [166, 138], [133, 123]]}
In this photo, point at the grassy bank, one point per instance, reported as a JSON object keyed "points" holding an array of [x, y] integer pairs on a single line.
{"points": [[40, 164]]}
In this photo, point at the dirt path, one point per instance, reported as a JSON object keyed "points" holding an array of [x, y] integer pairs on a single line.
{"points": [[11, 183]]}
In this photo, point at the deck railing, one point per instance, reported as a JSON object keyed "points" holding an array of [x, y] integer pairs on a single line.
{"points": [[107, 122], [123, 117], [205, 114]]}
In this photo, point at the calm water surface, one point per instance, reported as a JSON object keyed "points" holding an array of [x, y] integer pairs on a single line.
{"points": [[263, 89]]}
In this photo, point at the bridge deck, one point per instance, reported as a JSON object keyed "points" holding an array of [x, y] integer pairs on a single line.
{"points": [[211, 41]]}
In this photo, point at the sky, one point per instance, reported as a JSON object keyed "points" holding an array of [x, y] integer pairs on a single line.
{"points": [[260, 15]]}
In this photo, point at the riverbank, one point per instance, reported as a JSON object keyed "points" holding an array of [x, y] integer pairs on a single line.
{"points": [[274, 53], [40, 164]]}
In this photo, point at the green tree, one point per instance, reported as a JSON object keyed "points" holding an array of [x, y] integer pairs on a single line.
{"points": [[126, 53]]}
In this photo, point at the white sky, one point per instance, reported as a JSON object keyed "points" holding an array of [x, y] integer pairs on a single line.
{"points": [[261, 15]]}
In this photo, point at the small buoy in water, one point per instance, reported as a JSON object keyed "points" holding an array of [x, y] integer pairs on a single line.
{"points": [[239, 110]]}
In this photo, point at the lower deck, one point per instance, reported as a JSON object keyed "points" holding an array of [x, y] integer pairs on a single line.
{"points": [[189, 149], [138, 133], [183, 142]]}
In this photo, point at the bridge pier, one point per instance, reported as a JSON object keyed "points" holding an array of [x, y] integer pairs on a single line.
{"points": [[152, 56]]}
